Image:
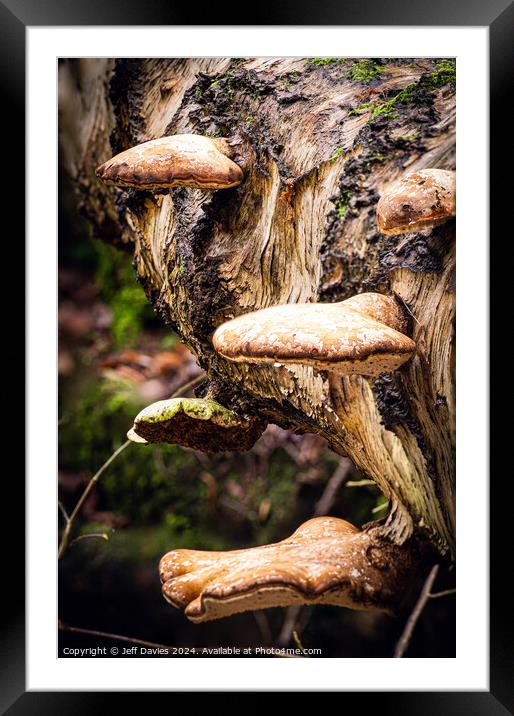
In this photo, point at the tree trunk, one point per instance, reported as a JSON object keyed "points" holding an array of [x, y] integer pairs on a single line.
{"points": [[319, 141]]}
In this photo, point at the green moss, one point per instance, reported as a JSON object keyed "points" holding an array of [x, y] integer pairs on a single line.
{"points": [[224, 84], [323, 61], [197, 408], [129, 307], [290, 79], [342, 203], [123, 294], [365, 71], [385, 109], [410, 137], [446, 73], [338, 153]]}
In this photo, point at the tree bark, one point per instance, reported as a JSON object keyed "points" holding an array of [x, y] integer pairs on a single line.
{"points": [[319, 143]]}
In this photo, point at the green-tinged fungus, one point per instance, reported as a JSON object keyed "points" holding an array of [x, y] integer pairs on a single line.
{"points": [[196, 423]]}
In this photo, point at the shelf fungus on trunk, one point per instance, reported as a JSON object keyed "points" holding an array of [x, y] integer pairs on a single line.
{"points": [[326, 561], [197, 423], [363, 335], [418, 201], [180, 160]]}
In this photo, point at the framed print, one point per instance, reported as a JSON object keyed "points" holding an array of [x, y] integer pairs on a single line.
{"points": [[257, 363]]}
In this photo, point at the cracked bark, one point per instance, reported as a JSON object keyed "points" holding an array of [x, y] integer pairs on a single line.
{"points": [[300, 228]]}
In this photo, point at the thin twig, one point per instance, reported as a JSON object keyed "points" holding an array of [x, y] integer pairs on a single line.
{"points": [[69, 525], [336, 481], [436, 595], [63, 511], [139, 642], [71, 519], [300, 645], [290, 619], [379, 508], [189, 386], [407, 308], [107, 635], [404, 641], [264, 628], [90, 535]]}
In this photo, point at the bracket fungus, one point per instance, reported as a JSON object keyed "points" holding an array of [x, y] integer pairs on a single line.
{"points": [[181, 160], [197, 423], [326, 561], [418, 201], [363, 335]]}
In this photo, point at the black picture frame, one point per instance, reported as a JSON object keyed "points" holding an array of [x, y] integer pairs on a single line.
{"points": [[498, 15]]}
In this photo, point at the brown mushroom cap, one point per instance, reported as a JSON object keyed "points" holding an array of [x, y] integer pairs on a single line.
{"points": [[380, 308], [418, 201], [344, 337], [181, 160], [326, 561]]}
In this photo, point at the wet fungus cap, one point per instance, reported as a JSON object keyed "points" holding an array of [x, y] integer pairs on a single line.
{"points": [[360, 336], [181, 160], [326, 561], [418, 201], [196, 423]]}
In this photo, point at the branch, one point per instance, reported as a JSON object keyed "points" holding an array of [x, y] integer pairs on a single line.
{"points": [[107, 635], [336, 481], [90, 535], [299, 644], [445, 593], [69, 525], [189, 386], [63, 512], [139, 642], [264, 628], [404, 641]]}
